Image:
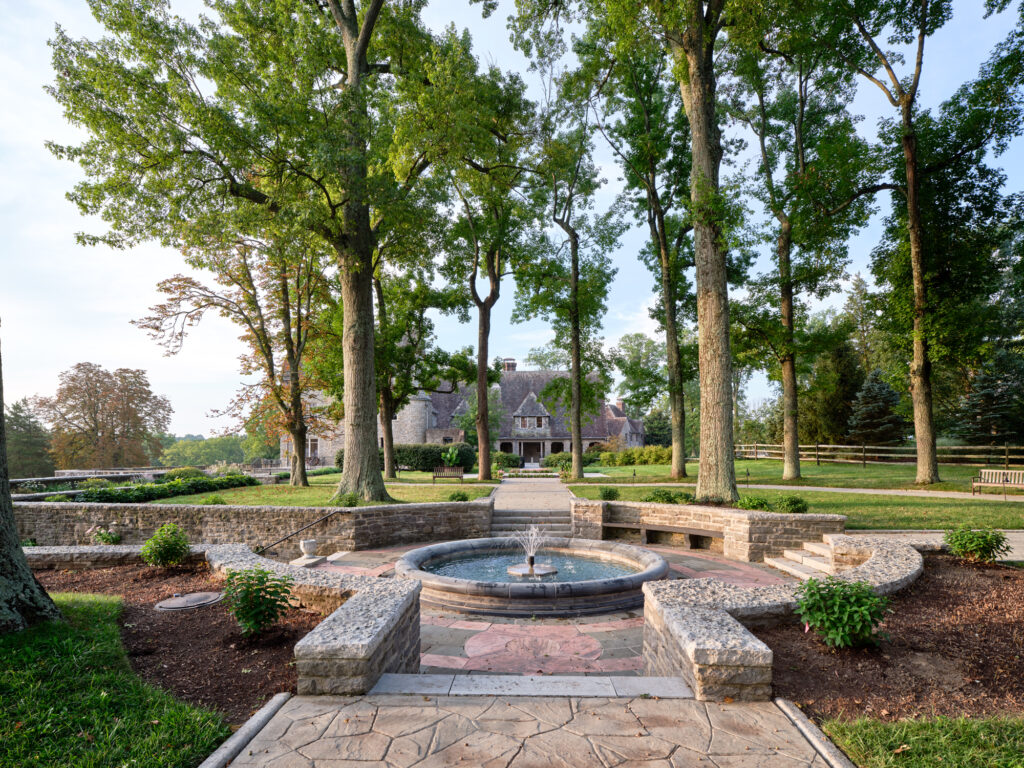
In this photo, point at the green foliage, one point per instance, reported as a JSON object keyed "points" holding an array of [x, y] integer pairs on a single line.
{"points": [[183, 473], [424, 457], [827, 402], [29, 488], [640, 361], [57, 497], [320, 471], [28, 442], [105, 536], [505, 460], [140, 494], [495, 412], [95, 482], [791, 505], [349, 499], [450, 456], [607, 459], [628, 457], [874, 420], [754, 502], [844, 614], [608, 493], [661, 496], [256, 598], [561, 460], [992, 411], [458, 496], [167, 547], [213, 500], [203, 453], [29, 543], [977, 545], [658, 428]]}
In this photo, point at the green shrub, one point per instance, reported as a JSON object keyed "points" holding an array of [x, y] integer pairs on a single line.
{"points": [[256, 598], [103, 535], [982, 545], [140, 494], [318, 472], [661, 496], [754, 502], [167, 547], [423, 457], [608, 493], [29, 543], [505, 460], [450, 456], [607, 458], [350, 499], [183, 473], [844, 614], [685, 497], [213, 500], [458, 496], [95, 482], [559, 460], [285, 475], [57, 497], [29, 487], [791, 505]]}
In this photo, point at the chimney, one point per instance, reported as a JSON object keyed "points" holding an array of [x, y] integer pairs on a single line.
{"points": [[508, 364], [620, 405]]}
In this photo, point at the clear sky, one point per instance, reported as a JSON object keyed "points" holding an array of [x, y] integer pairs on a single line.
{"points": [[61, 303]]}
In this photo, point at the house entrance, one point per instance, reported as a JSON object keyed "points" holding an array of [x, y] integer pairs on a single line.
{"points": [[531, 453]]}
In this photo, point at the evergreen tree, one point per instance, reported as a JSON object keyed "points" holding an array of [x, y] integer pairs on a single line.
{"points": [[658, 428], [28, 442], [992, 413], [874, 420], [828, 401]]}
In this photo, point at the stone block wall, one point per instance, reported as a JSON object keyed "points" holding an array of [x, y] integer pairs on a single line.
{"points": [[68, 523]]}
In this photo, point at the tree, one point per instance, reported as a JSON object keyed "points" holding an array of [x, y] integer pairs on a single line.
{"points": [[259, 442], [292, 114], [874, 420], [987, 111], [658, 428], [23, 601], [859, 310], [100, 418], [28, 442], [468, 419], [835, 380], [639, 360], [272, 288], [204, 453], [992, 412]]}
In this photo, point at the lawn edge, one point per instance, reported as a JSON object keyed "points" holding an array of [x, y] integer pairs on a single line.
{"points": [[824, 746], [237, 741]]}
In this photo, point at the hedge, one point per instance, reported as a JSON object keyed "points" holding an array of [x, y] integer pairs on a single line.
{"points": [[139, 494], [651, 454], [423, 457]]}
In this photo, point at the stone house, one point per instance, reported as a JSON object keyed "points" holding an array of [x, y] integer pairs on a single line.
{"points": [[528, 427]]}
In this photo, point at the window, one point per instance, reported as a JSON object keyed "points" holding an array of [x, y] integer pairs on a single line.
{"points": [[446, 440], [540, 421], [312, 447]]}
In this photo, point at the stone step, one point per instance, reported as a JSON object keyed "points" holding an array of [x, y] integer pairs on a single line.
{"points": [[801, 571], [818, 548], [524, 526], [804, 557], [550, 531], [532, 685], [528, 520], [525, 513]]}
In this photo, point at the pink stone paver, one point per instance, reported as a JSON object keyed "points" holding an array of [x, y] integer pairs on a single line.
{"points": [[613, 626]]}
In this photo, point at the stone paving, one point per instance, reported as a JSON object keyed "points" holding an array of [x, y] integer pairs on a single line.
{"points": [[520, 732]]}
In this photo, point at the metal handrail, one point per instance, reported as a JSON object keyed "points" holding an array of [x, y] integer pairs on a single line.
{"points": [[261, 550]]}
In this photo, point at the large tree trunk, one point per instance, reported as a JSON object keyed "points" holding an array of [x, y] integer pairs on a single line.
{"points": [[297, 476], [716, 479], [386, 414], [23, 601], [790, 431], [676, 399], [921, 366], [575, 362], [483, 427]]}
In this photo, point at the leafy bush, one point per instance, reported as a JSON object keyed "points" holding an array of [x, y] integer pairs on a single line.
{"points": [[319, 471], [256, 598], [349, 499], [505, 460], [167, 547], [754, 502], [607, 459], [183, 473], [95, 482], [559, 460], [213, 500], [685, 497], [450, 456], [286, 474], [103, 535], [982, 545], [458, 496], [844, 614], [791, 505], [29, 487], [608, 493], [140, 494], [661, 496], [29, 543], [423, 457], [57, 497]]}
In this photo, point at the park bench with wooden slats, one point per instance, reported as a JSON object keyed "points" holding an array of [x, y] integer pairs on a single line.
{"points": [[644, 528], [448, 473], [998, 478]]}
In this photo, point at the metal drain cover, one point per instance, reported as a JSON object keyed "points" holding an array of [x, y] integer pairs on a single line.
{"points": [[189, 601]]}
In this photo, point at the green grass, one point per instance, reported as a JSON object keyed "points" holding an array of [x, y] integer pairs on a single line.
{"points": [[869, 511], [319, 494], [955, 477], [403, 477], [69, 698], [992, 742]]}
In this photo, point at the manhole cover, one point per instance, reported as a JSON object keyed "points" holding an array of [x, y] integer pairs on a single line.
{"points": [[189, 601]]}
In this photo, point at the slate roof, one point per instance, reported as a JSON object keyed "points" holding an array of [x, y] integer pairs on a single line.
{"points": [[531, 407]]}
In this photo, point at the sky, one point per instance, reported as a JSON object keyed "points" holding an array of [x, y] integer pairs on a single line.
{"points": [[62, 303]]}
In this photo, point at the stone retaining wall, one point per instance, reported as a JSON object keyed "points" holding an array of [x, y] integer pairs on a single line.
{"points": [[747, 535], [68, 523]]}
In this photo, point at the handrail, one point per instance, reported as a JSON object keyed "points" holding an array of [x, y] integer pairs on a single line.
{"points": [[262, 549]]}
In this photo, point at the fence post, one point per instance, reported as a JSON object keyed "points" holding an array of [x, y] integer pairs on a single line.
{"points": [[755, 451], [1006, 455], [863, 456], [817, 459]]}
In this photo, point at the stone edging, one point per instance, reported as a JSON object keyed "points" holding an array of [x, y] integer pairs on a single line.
{"points": [[237, 741], [697, 628], [828, 751]]}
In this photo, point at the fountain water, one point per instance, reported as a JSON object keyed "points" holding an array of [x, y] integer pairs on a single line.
{"points": [[531, 541]]}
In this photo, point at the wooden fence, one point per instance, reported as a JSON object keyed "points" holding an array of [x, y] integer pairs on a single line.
{"points": [[983, 455]]}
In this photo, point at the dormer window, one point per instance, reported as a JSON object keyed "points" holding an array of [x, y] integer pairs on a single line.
{"points": [[540, 421]]}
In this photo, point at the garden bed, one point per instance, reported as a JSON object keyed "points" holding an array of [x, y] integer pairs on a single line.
{"points": [[199, 655], [956, 648]]}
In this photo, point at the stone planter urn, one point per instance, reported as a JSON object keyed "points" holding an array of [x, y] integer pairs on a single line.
{"points": [[308, 547]]}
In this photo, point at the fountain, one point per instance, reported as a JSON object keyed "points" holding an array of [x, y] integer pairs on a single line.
{"points": [[531, 541]]}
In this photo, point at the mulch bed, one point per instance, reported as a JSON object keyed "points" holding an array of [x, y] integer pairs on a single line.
{"points": [[956, 648], [198, 655]]}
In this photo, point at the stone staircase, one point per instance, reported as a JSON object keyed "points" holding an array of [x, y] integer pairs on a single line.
{"points": [[553, 522], [814, 560]]}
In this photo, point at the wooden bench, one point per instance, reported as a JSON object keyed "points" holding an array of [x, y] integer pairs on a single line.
{"points": [[998, 478], [644, 528], [448, 473]]}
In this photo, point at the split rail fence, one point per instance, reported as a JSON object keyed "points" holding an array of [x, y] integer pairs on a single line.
{"points": [[983, 455]]}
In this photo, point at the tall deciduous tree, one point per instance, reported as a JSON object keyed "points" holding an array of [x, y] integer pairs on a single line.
{"points": [[23, 601], [102, 418], [269, 112], [272, 288], [640, 361], [28, 442]]}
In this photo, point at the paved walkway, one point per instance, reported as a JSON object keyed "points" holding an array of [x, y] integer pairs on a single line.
{"points": [[829, 489], [520, 503], [518, 732]]}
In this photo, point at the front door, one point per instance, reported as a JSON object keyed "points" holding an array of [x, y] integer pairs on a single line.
{"points": [[531, 453]]}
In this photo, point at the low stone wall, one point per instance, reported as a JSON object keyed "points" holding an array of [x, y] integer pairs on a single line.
{"points": [[747, 535], [68, 523]]}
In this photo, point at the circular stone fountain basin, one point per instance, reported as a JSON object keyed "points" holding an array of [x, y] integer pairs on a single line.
{"points": [[472, 577]]}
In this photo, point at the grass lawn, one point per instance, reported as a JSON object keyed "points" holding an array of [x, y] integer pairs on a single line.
{"points": [[319, 494], [992, 742], [769, 472], [69, 698], [403, 477], [867, 511]]}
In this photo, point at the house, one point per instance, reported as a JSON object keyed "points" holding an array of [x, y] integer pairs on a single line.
{"points": [[529, 427]]}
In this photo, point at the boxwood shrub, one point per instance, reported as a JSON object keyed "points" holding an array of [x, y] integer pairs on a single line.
{"points": [[423, 457], [140, 494]]}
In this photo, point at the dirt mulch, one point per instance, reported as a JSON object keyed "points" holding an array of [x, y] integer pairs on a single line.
{"points": [[956, 648], [198, 655]]}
